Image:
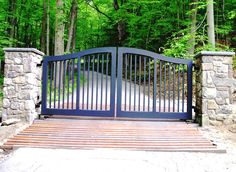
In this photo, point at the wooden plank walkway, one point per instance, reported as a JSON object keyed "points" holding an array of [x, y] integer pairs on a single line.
{"points": [[118, 134]]}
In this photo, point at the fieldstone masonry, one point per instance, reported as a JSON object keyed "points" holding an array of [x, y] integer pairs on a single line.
{"points": [[214, 88], [22, 83]]}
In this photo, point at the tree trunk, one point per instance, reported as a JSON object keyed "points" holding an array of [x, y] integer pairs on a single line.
{"points": [[72, 24], [120, 24], [59, 36], [210, 23], [12, 19], [74, 33], [43, 33], [48, 27], [193, 18]]}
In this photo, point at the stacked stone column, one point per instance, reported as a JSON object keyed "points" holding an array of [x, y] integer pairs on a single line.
{"points": [[22, 83], [214, 88]]}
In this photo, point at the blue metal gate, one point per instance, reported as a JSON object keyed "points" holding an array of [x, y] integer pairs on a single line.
{"points": [[149, 85], [73, 84], [153, 86]]}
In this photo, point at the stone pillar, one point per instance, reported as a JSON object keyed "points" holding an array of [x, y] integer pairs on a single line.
{"points": [[214, 88], [22, 83]]}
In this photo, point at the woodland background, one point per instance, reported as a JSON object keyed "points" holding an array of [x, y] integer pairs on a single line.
{"points": [[178, 28]]}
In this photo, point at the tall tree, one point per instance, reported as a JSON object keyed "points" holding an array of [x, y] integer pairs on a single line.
{"points": [[59, 35], [73, 14], [193, 30], [210, 23], [44, 27], [48, 27], [59, 29]]}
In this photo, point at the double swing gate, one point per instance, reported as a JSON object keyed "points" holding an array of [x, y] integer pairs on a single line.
{"points": [[117, 82]]}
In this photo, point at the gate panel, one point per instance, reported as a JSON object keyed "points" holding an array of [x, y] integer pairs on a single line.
{"points": [[153, 86], [80, 84]]}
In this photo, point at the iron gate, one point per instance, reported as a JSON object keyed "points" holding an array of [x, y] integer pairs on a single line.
{"points": [[148, 85]]}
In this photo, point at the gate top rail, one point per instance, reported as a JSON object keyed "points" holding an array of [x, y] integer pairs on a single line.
{"points": [[80, 54], [154, 55]]}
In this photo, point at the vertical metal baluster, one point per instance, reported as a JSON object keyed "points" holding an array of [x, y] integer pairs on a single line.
{"points": [[92, 85], [50, 90], [135, 72], [101, 107], [125, 77], [106, 80], [183, 89], [160, 86], [130, 82], [55, 82], [59, 86], [83, 83], [88, 68], [164, 86], [139, 83], [68, 89], [63, 89], [178, 85], [169, 87], [144, 83], [97, 82], [173, 87], [73, 76], [78, 84], [149, 83], [155, 85]]}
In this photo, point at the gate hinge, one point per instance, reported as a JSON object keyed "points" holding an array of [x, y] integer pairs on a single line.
{"points": [[40, 64], [195, 66], [37, 105]]}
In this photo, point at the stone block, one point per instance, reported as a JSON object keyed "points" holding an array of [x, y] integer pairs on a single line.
{"points": [[211, 105], [222, 94], [221, 75], [227, 60], [217, 63], [215, 123], [19, 80], [204, 120], [207, 66], [209, 92], [9, 92], [30, 78], [6, 103], [17, 60], [224, 109], [221, 117], [207, 59], [7, 81], [14, 105], [24, 95], [220, 101], [29, 67], [222, 69], [8, 61], [12, 74], [228, 121], [220, 82], [29, 104]]}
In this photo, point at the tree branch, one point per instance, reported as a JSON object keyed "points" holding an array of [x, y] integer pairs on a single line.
{"points": [[94, 6]]}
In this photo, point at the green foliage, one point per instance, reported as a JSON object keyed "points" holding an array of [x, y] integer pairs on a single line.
{"points": [[178, 46]]}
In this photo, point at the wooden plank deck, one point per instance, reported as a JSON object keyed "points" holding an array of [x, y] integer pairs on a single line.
{"points": [[116, 134]]}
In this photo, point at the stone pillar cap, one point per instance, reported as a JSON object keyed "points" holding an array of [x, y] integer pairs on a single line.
{"points": [[214, 53], [34, 50]]}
